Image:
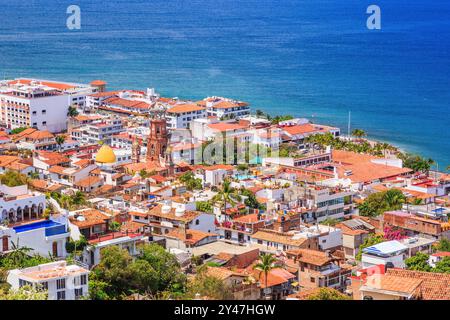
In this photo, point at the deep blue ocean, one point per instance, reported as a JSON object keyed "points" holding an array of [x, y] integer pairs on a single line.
{"points": [[308, 58]]}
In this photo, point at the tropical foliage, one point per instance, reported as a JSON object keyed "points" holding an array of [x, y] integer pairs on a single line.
{"points": [[21, 257], [18, 130], [69, 202], [380, 202], [118, 275], [360, 146], [416, 162], [328, 294], [190, 181], [373, 239], [207, 286], [266, 263], [226, 195], [13, 178], [24, 293]]}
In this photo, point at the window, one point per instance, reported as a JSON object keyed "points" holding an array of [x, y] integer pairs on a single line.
{"points": [[83, 280], [61, 284], [34, 113], [61, 295], [44, 111], [44, 123], [313, 279], [78, 293], [197, 222]]}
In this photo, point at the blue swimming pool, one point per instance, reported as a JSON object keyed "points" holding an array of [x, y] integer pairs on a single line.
{"points": [[37, 225], [244, 176]]}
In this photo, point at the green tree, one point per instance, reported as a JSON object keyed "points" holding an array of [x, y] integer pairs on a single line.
{"points": [[165, 265], [113, 270], [13, 178], [24, 293], [328, 294], [226, 195], [190, 181], [204, 206], [380, 202], [114, 226], [416, 162], [60, 140], [18, 130], [143, 174], [418, 262], [359, 133], [265, 265], [373, 239], [208, 286], [330, 222], [443, 266], [72, 112], [443, 245]]}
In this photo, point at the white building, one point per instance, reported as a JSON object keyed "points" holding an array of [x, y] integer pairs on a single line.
{"points": [[45, 237], [388, 253], [62, 281], [181, 115], [33, 105], [18, 204], [102, 130], [223, 108]]}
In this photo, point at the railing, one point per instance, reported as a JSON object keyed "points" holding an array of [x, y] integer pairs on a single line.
{"points": [[53, 231]]}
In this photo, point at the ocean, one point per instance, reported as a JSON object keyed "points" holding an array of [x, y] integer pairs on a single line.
{"points": [[313, 59]]}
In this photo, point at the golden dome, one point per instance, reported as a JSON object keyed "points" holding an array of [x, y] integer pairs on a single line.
{"points": [[105, 155]]}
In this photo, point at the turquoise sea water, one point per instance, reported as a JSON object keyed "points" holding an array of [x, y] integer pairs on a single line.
{"points": [[306, 58]]}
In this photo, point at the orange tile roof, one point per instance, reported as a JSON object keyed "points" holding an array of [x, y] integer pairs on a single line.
{"points": [[224, 126], [278, 237], [392, 283], [92, 217], [88, 181], [188, 107], [229, 104], [187, 217], [363, 170], [299, 129], [127, 103], [314, 257], [191, 236], [54, 85], [434, 286], [249, 218]]}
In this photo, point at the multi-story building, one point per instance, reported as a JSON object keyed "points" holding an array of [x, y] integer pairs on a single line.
{"points": [[181, 115], [97, 131], [33, 105], [319, 269], [61, 281], [223, 108]]}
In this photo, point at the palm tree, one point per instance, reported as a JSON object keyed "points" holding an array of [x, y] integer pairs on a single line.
{"points": [[18, 254], [60, 140], [227, 194], [359, 133], [266, 264], [394, 199], [72, 112], [78, 198]]}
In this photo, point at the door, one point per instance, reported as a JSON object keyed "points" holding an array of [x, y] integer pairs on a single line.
{"points": [[5, 243], [55, 249]]}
